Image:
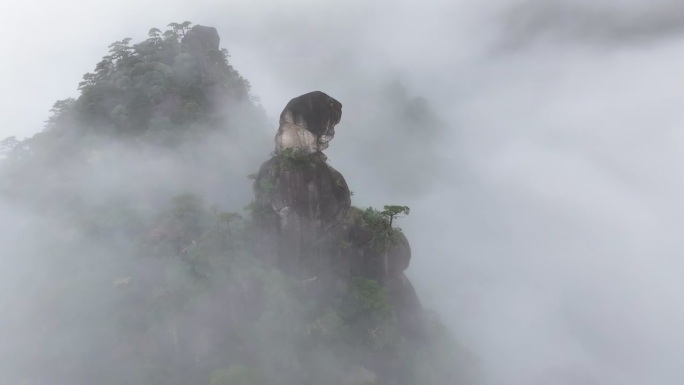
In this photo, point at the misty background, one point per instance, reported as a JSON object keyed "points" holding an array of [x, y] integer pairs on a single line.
{"points": [[538, 144]]}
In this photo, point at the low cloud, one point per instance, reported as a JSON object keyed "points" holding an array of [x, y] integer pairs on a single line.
{"points": [[600, 24]]}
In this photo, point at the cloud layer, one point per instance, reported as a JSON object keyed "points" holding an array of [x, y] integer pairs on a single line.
{"points": [[604, 24], [546, 202]]}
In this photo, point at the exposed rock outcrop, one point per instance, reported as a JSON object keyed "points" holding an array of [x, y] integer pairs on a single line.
{"points": [[300, 202], [200, 38], [384, 256], [201, 43], [309, 228], [307, 123]]}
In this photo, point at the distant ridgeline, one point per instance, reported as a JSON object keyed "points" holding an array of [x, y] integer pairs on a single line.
{"points": [[131, 280]]}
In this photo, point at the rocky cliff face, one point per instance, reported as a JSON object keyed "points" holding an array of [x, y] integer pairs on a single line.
{"points": [[201, 43], [309, 228]]}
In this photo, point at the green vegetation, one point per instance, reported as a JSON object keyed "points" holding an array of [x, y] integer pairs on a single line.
{"points": [[192, 302], [362, 317], [369, 316], [157, 82], [8, 145], [296, 159], [260, 211], [282, 319], [134, 284], [380, 223], [393, 211], [158, 90], [266, 186]]}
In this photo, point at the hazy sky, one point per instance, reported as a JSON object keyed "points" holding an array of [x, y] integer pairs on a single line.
{"points": [[550, 242]]}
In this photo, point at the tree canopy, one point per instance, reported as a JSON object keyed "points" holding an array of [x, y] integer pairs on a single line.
{"points": [[158, 83]]}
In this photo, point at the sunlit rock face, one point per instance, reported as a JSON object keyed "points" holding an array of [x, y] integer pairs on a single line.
{"points": [[307, 123]]}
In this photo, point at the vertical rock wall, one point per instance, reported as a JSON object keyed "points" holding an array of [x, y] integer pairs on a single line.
{"points": [[309, 228]]}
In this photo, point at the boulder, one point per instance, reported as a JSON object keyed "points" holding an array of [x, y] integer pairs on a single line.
{"points": [[307, 124], [200, 38], [300, 199]]}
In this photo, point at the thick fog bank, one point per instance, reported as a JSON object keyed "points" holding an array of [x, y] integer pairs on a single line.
{"points": [[538, 146]]}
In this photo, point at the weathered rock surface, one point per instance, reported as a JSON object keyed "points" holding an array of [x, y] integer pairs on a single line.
{"points": [[307, 123], [385, 263], [310, 230], [201, 43], [300, 202], [200, 38], [367, 258]]}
